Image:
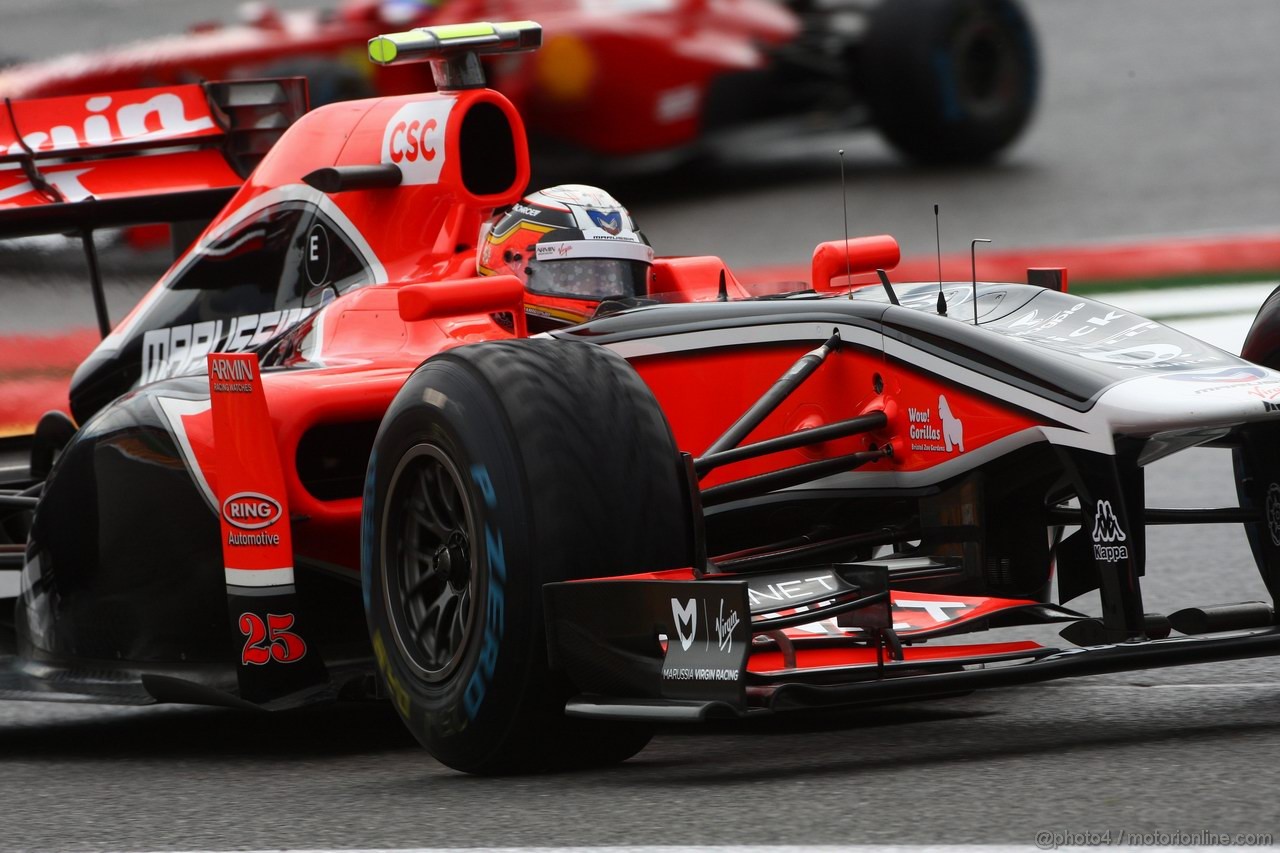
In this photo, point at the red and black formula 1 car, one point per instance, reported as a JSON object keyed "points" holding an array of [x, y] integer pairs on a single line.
{"points": [[943, 80], [325, 452]]}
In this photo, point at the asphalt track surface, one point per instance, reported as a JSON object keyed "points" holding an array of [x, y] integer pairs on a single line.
{"points": [[1158, 117]]}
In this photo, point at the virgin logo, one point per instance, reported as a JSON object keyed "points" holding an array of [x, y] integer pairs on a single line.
{"points": [[251, 510], [108, 121], [414, 140]]}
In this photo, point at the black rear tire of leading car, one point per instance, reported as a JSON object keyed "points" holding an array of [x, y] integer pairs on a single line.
{"points": [[500, 467], [949, 81]]}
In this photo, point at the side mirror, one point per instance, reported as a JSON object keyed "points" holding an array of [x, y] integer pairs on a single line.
{"points": [[490, 294], [864, 255]]}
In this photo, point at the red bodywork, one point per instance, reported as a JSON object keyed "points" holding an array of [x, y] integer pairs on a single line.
{"points": [[615, 78]]}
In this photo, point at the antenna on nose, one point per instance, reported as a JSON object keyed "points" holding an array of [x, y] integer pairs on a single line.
{"points": [[973, 267], [937, 234], [844, 206]]}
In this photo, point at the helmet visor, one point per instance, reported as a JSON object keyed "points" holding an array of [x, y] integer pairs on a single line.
{"points": [[588, 269], [588, 278]]}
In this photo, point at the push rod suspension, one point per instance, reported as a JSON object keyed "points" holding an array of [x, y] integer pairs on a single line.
{"points": [[786, 384], [817, 435], [762, 484]]}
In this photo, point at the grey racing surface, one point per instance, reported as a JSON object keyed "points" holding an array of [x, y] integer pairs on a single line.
{"points": [[1178, 750], [1158, 116]]}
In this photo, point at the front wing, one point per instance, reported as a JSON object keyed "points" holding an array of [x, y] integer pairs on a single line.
{"points": [[672, 647]]}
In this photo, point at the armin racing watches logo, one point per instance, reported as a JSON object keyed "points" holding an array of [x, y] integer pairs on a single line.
{"points": [[1106, 530]]}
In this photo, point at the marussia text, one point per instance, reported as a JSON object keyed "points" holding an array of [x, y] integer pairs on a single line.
{"points": [[700, 673]]}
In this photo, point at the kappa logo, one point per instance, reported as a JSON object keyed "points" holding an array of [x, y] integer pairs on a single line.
{"points": [[1106, 527], [686, 616], [610, 222], [952, 427], [1106, 530]]}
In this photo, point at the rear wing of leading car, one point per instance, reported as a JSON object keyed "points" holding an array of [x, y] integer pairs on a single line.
{"points": [[175, 153]]}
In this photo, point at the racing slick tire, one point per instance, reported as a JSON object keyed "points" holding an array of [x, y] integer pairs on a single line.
{"points": [[500, 467], [949, 81], [1257, 457]]}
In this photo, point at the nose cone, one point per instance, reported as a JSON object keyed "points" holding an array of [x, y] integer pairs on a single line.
{"points": [[1192, 399]]}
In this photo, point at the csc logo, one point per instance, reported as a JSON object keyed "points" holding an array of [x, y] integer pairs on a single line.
{"points": [[414, 140], [407, 141]]}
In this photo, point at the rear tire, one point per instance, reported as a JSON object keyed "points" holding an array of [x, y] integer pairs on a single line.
{"points": [[498, 468], [950, 81]]}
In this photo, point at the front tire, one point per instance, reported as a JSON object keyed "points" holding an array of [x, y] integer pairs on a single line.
{"points": [[498, 468]]}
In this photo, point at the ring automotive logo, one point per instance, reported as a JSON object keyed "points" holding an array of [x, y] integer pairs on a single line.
{"points": [[251, 510]]}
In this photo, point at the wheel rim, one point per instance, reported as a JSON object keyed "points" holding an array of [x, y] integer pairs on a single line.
{"points": [[429, 567], [987, 63]]}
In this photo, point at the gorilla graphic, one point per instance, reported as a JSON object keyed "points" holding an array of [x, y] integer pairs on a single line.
{"points": [[952, 427]]}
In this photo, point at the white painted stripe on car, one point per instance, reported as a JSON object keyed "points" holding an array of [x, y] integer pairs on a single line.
{"points": [[260, 577], [173, 409]]}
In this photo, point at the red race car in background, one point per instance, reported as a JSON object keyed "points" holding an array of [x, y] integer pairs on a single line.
{"points": [[943, 80]]}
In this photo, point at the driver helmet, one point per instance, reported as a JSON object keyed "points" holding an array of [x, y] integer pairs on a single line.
{"points": [[570, 244]]}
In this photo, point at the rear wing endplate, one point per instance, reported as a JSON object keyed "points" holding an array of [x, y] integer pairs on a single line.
{"points": [[167, 154]]}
